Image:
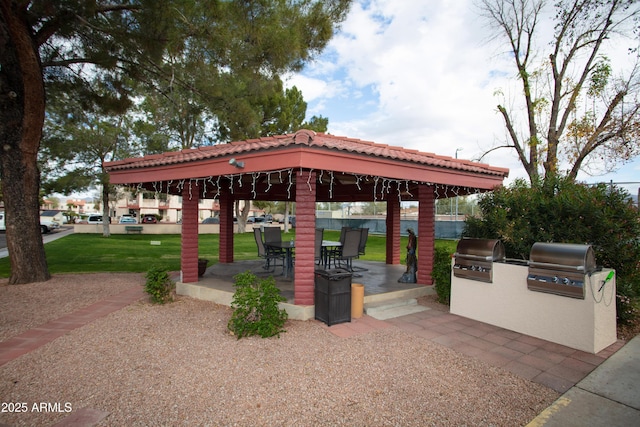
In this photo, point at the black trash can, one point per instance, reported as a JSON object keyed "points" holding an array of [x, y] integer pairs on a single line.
{"points": [[333, 296]]}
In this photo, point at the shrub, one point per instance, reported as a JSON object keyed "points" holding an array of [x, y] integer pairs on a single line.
{"points": [[159, 285], [255, 307], [442, 274], [626, 306]]}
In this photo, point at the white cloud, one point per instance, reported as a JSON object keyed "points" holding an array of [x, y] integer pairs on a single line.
{"points": [[419, 74], [428, 77]]}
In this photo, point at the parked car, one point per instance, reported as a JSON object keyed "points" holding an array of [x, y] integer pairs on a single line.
{"points": [[47, 223], [149, 219], [94, 219], [128, 220], [50, 220], [262, 218], [211, 220], [292, 220]]}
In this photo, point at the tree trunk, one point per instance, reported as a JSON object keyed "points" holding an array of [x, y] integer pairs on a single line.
{"points": [[22, 103], [286, 216], [106, 231], [242, 215]]}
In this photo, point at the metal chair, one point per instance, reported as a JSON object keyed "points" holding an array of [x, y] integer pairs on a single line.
{"points": [[349, 250], [272, 235], [318, 245], [364, 235], [336, 252], [268, 255]]}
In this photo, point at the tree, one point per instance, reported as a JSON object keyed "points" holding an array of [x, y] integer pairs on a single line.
{"points": [[77, 42], [80, 135], [172, 120], [286, 113], [577, 111]]}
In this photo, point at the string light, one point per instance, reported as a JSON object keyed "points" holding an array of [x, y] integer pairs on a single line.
{"points": [[268, 182], [331, 185], [381, 185], [290, 184], [253, 183], [308, 180]]}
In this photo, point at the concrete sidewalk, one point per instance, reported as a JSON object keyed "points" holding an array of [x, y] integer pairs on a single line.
{"points": [[608, 397], [46, 238]]}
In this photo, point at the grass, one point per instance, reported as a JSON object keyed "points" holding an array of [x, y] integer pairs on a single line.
{"points": [[92, 253]]}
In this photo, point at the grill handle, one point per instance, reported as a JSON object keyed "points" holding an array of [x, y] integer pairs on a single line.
{"points": [[473, 257], [546, 265]]}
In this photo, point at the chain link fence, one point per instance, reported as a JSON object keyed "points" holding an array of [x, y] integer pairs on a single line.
{"points": [[444, 229]]}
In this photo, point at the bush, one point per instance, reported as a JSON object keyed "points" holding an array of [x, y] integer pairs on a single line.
{"points": [[560, 210], [442, 275], [626, 306], [255, 307], [159, 285]]}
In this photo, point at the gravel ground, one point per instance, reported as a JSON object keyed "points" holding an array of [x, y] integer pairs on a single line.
{"points": [[177, 365]]}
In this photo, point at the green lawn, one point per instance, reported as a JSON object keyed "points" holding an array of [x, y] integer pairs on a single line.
{"points": [[90, 253]]}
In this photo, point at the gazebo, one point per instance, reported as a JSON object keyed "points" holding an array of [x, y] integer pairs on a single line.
{"points": [[306, 167]]}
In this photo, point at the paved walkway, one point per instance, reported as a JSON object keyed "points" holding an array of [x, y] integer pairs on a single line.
{"points": [[599, 390], [46, 238], [614, 384], [552, 365]]}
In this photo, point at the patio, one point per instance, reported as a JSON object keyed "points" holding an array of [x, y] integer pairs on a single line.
{"points": [[380, 282]]}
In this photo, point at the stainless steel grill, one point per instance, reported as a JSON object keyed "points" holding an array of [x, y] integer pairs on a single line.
{"points": [[474, 258], [560, 268]]}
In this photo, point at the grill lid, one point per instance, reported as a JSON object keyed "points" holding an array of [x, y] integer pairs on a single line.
{"points": [[480, 249], [563, 256]]}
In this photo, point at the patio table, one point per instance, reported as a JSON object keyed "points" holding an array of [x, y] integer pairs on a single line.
{"points": [[327, 247], [288, 248]]}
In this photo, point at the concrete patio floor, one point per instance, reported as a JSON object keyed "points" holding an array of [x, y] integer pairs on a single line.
{"points": [[379, 279]]}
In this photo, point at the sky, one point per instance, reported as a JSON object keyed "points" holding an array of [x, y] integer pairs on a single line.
{"points": [[422, 75]]}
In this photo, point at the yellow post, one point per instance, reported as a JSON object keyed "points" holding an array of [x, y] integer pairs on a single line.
{"points": [[357, 300]]}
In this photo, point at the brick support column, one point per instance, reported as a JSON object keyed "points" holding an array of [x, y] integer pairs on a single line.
{"points": [[305, 237], [189, 245], [225, 248], [426, 233], [393, 231]]}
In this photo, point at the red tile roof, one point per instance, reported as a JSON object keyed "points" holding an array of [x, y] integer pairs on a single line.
{"points": [[311, 140]]}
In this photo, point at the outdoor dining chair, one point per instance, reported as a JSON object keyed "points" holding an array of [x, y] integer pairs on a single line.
{"points": [[349, 250], [272, 235], [271, 258], [318, 245], [334, 254], [364, 235]]}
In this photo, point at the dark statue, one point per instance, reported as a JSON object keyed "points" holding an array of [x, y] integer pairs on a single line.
{"points": [[412, 262]]}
